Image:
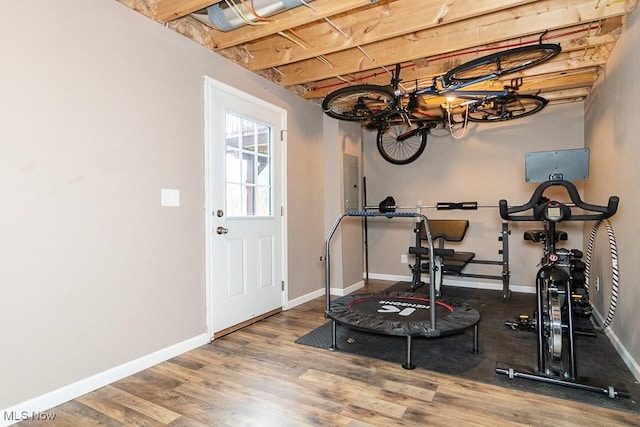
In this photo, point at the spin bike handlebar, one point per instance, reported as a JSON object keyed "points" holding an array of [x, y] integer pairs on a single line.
{"points": [[599, 212]]}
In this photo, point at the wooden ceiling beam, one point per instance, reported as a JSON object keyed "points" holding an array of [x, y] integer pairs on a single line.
{"points": [[169, 10], [550, 83], [314, 49], [318, 10], [361, 28], [423, 72], [567, 95], [485, 30], [411, 75]]}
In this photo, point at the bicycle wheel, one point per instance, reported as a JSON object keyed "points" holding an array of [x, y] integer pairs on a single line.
{"points": [[507, 107], [500, 63], [360, 102], [401, 144]]}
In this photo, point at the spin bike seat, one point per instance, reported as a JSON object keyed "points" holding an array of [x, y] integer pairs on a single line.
{"points": [[539, 235]]}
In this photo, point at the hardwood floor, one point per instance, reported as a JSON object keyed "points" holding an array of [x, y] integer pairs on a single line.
{"points": [[259, 376]]}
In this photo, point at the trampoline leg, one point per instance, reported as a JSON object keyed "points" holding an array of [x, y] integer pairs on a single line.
{"points": [[334, 336], [475, 339], [408, 364]]}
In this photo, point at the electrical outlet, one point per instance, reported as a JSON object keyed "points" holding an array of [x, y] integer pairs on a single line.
{"points": [[598, 283], [404, 259]]}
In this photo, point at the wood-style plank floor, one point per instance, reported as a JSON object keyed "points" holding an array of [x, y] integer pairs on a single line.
{"points": [[259, 376]]}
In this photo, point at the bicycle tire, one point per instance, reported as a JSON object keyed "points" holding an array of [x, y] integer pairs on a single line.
{"points": [[401, 144], [507, 107], [501, 63], [359, 102]]}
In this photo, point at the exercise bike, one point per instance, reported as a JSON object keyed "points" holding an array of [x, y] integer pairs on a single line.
{"points": [[561, 297]]}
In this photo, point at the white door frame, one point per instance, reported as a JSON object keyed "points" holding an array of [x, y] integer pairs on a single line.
{"points": [[209, 85]]}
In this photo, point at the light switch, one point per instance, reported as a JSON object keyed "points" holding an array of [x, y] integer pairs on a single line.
{"points": [[170, 197]]}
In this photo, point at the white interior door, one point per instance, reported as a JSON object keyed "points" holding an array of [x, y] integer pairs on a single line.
{"points": [[245, 260]]}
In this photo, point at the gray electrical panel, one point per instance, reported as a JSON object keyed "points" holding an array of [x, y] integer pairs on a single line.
{"points": [[351, 177]]}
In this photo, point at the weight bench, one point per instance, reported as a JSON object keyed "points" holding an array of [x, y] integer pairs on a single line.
{"points": [[446, 261]]}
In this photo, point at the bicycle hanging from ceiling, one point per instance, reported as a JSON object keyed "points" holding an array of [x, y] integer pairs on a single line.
{"points": [[403, 119]]}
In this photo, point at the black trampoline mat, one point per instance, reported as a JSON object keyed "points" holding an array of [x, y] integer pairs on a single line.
{"points": [[402, 313], [452, 354], [416, 308]]}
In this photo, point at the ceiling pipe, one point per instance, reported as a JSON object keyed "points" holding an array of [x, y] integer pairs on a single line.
{"points": [[231, 14]]}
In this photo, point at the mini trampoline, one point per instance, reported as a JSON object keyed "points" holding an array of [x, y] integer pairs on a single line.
{"points": [[399, 313], [402, 314]]}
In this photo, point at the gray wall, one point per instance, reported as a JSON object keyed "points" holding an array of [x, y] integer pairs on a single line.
{"points": [[101, 108], [485, 165], [612, 133]]}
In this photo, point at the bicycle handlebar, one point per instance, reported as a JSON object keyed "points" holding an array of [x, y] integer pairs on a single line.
{"points": [[603, 212]]}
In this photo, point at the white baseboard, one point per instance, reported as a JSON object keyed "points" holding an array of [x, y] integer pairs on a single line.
{"points": [[320, 292], [348, 290], [305, 298], [31, 408]]}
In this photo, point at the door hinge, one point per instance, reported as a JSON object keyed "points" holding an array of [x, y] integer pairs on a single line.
{"points": [[282, 285]]}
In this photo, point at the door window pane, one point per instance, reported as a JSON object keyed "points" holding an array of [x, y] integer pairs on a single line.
{"points": [[248, 167], [234, 200]]}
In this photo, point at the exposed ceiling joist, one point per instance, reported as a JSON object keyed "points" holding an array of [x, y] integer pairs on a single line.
{"points": [[318, 10], [485, 30], [168, 10], [373, 25], [323, 45]]}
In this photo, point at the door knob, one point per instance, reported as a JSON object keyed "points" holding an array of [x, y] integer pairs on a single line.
{"points": [[222, 230]]}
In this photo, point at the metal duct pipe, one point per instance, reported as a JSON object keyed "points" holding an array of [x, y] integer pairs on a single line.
{"points": [[232, 14]]}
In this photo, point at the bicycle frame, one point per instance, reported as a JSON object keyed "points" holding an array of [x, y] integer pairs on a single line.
{"points": [[384, 107], [372, 102], [456, 89]]}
